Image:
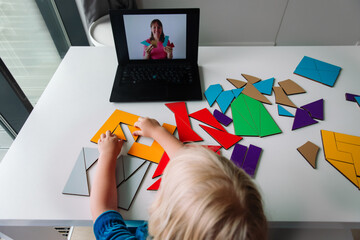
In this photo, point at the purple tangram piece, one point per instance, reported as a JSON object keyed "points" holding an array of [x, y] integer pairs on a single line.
{"points": [[251, 160], [238, 155], [351, 97], [316, 109], [222, 118], [302, 119]]}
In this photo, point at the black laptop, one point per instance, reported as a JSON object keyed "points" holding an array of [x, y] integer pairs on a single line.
{"points": [[157, 52]]}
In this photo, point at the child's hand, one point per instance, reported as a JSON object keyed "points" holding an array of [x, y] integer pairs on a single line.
{"points": [[148, 127], [109, 145]]}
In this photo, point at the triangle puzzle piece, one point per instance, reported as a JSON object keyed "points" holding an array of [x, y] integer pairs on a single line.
{"points": [[212, 92], [119, 133], [119, 170], [236, 83], [91, 155], [205, 116], [302, 119], [155, 186], [131, 165], [357, 98], [316, 109], [282, 98], [237, 91], [77, 183], [224, 100], [267, 124], [265, 86], [222, 118], [214, 148], [252, 92], [283, 112], [251, 79], [223, 138], [290, 87], [161, 166], [309, 151]]}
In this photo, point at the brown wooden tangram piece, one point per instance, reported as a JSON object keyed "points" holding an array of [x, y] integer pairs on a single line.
{"points": [[282, 98], [236, 83], [290, 87], [252, 92], [309, 151], [251, 79]]}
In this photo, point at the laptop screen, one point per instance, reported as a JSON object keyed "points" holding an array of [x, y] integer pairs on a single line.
{"points": [[155, 34]]}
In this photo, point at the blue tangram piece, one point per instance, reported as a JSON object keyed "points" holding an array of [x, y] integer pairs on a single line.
{"points": [[283, 112], [317, 70], [212, 93], [265, 86], [237, 91], [224, 100], [166, 41], [145, 43], [357, 98]]}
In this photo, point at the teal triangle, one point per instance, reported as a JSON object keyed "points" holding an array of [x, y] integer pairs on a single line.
{"points": [[307, 63], [224, 100], [328, 78], [265, 86], [357, 98], [237, 91], [283, 112], [323, 66]]}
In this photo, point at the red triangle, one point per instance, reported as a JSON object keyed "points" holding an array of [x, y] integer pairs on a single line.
{"points": [[205, 116], [215, 149], [155, 186], [223, 138], [161, 166]]}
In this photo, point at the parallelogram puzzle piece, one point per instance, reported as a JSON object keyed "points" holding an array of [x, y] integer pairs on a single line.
{"points": [[302, 119], [205, 116], [91, 155], [265, 86], [222, 118], [282, 98], [316, 109], [224, 100], [351, 97], [165, 41], [155, 186], [251, 79], [290, 87], [309, 151], [77, 183], [236, 83], [238, 155], [252, 92], [212, 92], [223, 138], [251, 159], [283, 112]]}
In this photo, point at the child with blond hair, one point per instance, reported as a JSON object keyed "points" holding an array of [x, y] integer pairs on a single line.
{"points": [[202, 195]]}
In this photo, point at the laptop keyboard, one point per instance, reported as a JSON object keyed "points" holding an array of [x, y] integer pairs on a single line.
{"points": [[150, 73]]}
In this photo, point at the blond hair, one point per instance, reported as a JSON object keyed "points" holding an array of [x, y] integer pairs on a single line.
{"points": [[205, 196]]}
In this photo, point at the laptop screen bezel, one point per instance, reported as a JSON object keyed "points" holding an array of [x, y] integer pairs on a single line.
{"points": [[192, 32]]}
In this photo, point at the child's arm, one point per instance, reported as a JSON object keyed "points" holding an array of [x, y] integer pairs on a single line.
{"points": [[103, 191], [151, 128]]}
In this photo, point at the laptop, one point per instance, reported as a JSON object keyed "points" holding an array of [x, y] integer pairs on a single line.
{"points": [[157, 52]]}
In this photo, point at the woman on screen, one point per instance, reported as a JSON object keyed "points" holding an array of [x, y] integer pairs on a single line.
{"points": [[154, 48]]}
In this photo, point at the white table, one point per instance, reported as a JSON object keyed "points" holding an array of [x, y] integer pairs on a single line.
{"points": [[75, 104]]}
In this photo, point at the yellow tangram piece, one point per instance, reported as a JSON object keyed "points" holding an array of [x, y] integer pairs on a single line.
{"points": [[342, 151], [151, 153], [113, 124]]}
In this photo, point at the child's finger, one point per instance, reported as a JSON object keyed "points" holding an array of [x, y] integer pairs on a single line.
{"points": [[137, 133], [108, 133]]}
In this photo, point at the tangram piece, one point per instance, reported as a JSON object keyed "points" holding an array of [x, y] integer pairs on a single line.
{"points": [[132, 130], [316, 109], [222, 118], [309, 151], [223, 138], [172, 45], [224, 100], [251, 79], [77, 182], [145, 43], [358, 100], [290, 87], [119, 132], [205, 116], [236, 83], [212, 92], [161, 166], [243, 126], [252, 92], [114, 121], [282, 98], [251, 160], [319, 71], [342, 151], [267, 124], [119, 170], [186, 133], [91, 155], [151, 153], [265, 86], [214, 148], [238, 155], [131, 165], [237, 91], [351, 97], [155, 186], [302, 119], [127, 190], [283, 112], [165, 41]]}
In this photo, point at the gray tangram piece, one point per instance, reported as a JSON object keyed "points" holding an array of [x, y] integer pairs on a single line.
{"points": [[91, 155], [77, 183], [131, 164], [127, 190], [119, 170]]}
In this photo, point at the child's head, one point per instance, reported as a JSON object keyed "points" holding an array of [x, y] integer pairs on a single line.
{"points": [[205, 196]]}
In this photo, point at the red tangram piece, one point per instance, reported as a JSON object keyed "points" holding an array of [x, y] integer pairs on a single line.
{"points": [[214, 148], [155, 186], [223, 138], [161, 166], [205, 116], [179, 109]]}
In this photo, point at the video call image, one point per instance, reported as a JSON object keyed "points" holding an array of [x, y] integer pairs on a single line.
{"points": [[155, 37]]}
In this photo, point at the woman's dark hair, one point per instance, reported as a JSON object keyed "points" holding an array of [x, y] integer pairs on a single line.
{"points": [[162, 36]]}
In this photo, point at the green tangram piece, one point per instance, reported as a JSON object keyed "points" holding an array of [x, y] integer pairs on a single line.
{"points": [[251, 118]]}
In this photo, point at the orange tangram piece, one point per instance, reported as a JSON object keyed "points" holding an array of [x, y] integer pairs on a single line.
{"points": [[113, 124], [155, 186], [151, 153], [342, 151], [223, 138]]}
